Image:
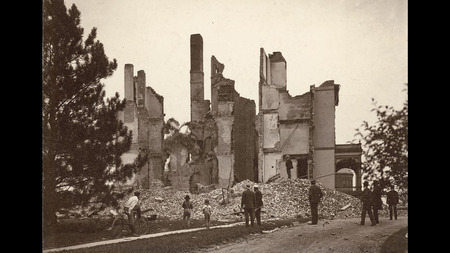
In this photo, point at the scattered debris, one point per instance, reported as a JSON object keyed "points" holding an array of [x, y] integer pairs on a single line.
{"points": [[283, 199]]}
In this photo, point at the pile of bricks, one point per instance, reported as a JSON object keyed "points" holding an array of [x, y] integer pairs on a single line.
{"points": [[284, 198]]}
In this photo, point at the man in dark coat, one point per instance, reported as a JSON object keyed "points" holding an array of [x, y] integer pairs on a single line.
{"points": [[248, 203], [314, 195], [259, 204], [377, 202], [366, 199], [392, 201], [288, 166]]}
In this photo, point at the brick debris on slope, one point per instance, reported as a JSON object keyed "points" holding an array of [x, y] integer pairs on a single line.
{"points": [[283, 199]]}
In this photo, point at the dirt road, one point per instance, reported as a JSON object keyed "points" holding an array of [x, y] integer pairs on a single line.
{"points": [[345, 235]]}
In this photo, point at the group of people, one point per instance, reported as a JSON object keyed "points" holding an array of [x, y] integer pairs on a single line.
{"points": [[372, 203], [188, 208], [252, 202]]}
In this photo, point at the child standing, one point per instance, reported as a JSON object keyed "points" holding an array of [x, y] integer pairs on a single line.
{"points": [[207, 209], [187, 210]]}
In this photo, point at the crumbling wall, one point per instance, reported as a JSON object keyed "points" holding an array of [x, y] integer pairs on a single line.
{"points": [[154, 103], [271, 134], [270, 98], [259, 144], [201, 163], [278, 69], [130, 119], [179, 170], [140, 89], [224, 153], [325, 100], [143, 133], [156, 158], [144, 116], [294, 108], [244, 139]]}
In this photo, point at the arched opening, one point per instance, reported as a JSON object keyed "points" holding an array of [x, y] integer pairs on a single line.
{"points": [[345, 180], [348, 176]]}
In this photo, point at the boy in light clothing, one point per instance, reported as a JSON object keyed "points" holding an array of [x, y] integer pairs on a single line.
{"points": [[207, 210], [132, 207], [187, 210]]}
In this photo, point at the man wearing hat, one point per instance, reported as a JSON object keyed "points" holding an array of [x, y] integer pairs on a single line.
{"points": [[314, 195], [366, 199], [259, 204], [288, 166], [248, 203]]}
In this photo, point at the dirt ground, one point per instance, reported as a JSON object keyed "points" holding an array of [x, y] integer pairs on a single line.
{"points": [[343, 235]]}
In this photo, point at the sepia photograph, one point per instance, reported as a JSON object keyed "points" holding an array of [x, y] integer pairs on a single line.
{"points": [[224, 126]]}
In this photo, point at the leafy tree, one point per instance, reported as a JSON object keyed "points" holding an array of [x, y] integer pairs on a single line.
{"points": [[385, 146], [83, 140]]}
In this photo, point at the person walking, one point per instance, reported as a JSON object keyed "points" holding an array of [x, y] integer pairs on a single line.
{"points": [[366, 199], [248, 203], [392, 201], [207, 210], [288, 166], [187, 210], [314, 196], [377, 202], [259, 204], [132, 208]]}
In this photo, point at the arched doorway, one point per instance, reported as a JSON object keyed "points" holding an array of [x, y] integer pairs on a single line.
{"points": [[348, 164], [345, 180]]}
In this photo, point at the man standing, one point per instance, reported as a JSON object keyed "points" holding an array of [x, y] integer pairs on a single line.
{"points": [[259, 204], [314, 195], [248, 203], [366, 199], [377, 202], [288, 166], [131, 207], [392, 201]]}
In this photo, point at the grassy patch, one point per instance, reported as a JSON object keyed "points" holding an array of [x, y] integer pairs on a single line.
{"points": [[396, 243]]}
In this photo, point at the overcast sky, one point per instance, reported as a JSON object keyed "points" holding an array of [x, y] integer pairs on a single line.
{"points": [[360, 44]]}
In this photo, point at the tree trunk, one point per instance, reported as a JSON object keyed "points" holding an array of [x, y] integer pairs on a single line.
{"points": [[49, 193], [49, 203]]}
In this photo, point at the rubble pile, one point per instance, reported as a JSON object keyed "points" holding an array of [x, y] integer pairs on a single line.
{"points": [[284, 198]]}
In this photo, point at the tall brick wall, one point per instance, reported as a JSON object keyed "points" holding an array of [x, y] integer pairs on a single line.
{"points": [[198, 105], [144, 115], [324, 133], [244, 138]]}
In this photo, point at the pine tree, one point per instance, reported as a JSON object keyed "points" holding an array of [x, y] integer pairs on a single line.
{"points": [[83, 139], [385, 146]]}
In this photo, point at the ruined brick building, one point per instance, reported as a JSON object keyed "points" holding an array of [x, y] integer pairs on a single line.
{"points": [[302, 127], [227, 141], [144, 115], [233, 134]]}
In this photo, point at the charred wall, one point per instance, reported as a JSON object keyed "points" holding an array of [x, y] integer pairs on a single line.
{"points": [[244, 139]]}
